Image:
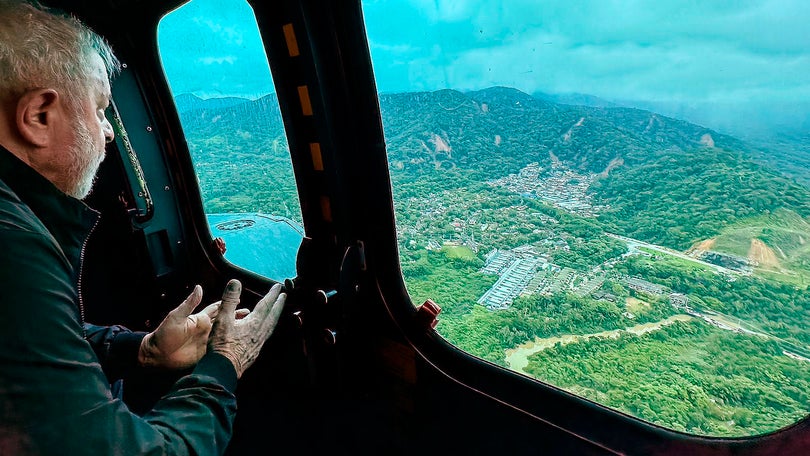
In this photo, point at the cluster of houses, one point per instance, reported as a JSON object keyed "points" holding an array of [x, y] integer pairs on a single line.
{"points": [[562, 188], [524, 271]]}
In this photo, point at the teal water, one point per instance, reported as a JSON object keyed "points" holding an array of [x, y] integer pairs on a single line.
{"points": [[264, 244]]}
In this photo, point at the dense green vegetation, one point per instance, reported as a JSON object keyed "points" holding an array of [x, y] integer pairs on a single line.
{"points": [[671, 191], [688, 376], [449, 279], [496, 171], [777, 308], [658, 201], [241, 156]]}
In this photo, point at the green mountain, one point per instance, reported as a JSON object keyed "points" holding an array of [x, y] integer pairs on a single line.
{"points": [[659, 179], [499, 130], [497, 183], [240, 154], [778, 242]]}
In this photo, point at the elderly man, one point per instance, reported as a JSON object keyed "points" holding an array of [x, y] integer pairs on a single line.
{"points": [[55, 369]]}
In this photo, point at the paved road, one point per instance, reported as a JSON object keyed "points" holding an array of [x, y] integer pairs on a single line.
{"points": [[636, 243]]}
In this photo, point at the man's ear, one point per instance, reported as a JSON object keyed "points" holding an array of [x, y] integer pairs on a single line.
{"points": [[37, 111]]}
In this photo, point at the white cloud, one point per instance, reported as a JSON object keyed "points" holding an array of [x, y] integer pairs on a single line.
{"points": [[617, 49]]}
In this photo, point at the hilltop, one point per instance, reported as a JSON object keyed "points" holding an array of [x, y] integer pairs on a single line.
{"points": [[778, 242], [504, 203], [660, 179], [505, 129], [652, 177]]}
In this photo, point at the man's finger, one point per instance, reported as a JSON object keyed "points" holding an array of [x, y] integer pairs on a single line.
{"points": [[230, 299], [211, 310], [242, 313], [278, 307], [271, 320], [264, 306], [201, 323], [187, 307]]}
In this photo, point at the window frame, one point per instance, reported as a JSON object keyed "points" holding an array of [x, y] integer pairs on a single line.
{"points": [[602, 425]]}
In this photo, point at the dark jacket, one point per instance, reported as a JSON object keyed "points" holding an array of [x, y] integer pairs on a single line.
{"points": [[54, 395]]}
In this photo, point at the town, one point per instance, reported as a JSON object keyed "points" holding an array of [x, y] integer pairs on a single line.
{"points": [[562, 187]]}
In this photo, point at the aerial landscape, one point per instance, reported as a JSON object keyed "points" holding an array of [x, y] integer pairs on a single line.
{"points": [[646, 263]]}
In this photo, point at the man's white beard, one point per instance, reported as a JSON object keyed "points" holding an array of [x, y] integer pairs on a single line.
{"points": [[84, 162]]}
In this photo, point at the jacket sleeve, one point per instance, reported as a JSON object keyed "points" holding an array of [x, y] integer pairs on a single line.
{"points": [[54, 396], [116, 348]]}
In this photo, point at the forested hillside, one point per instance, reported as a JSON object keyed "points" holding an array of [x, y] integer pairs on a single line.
{"points": [[643, 262]]}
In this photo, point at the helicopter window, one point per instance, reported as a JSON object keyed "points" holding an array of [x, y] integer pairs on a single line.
{"points": [[215, 63], [615, 202]]}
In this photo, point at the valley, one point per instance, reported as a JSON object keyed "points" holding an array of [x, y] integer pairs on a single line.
{"points": [[652, 265]]}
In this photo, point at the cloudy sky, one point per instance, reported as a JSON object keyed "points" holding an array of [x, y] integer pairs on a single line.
{"points": [[613, 48], [697, 53]]}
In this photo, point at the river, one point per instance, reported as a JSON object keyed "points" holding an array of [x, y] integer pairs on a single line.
{"points": [[518, 358]]}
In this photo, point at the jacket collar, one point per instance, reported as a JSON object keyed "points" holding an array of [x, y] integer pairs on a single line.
{"points": [[66, 218]]}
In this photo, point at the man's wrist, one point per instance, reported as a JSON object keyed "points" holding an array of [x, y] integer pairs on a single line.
{"points": [[220, 367], [121, 353], [237, 365]]}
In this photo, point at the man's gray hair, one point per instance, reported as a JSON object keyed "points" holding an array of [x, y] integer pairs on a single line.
{"points": [[40, 48]]}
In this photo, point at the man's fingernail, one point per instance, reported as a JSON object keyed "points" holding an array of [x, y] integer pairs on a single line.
{"points": [[233, 287]]}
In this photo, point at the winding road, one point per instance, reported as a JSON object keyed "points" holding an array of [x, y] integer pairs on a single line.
{"points": [[518, 358]]}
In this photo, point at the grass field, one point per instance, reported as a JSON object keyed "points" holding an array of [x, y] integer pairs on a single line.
{"points": [[676, 261], [458, 251]]}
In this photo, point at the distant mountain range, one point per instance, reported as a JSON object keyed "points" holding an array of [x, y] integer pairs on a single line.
{"points": [[780, 130], [230, 112], [448, 129], [657, 175], [634, 127], [577, 99], [188, 102], [758, 122]]}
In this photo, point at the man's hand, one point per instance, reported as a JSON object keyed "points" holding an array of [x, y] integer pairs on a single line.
{"points": [[241, 339], [181, 338]]}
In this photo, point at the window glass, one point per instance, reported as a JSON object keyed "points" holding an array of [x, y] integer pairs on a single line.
{"points": [[611, 197], [217, 69]]}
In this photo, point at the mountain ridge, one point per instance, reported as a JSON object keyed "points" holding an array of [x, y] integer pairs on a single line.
{"points": [[649, 172]]}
